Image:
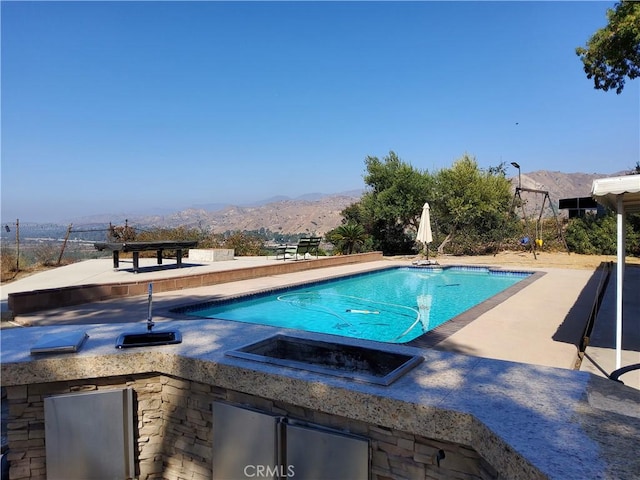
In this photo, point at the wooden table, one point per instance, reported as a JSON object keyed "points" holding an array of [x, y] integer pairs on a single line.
{"points": [[137, 247]]}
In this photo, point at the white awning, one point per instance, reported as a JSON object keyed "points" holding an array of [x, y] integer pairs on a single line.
{"points": [[607, 190], [622, 195]]}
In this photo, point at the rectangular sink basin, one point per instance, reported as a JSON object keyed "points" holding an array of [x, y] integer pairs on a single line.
{"points": [[148, 339], [338, 359]]}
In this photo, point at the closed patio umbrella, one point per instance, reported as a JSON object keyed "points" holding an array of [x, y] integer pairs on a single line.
{"points": [[424, 229]]}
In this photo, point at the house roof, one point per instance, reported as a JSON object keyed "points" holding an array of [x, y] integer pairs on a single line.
{"points": [[607, 190]]}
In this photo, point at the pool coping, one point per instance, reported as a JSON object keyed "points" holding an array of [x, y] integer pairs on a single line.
{"points": [[447, 329]]}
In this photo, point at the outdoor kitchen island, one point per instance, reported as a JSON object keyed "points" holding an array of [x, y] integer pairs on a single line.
{"points": [[449, 416]]}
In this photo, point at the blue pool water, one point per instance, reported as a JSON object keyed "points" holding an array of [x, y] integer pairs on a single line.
{"points": [[393, 305]]}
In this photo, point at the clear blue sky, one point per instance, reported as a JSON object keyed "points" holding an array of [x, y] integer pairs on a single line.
{"points": [[123, 107]]}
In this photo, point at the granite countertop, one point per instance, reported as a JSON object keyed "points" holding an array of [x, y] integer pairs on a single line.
{"points": [[526, 421]]}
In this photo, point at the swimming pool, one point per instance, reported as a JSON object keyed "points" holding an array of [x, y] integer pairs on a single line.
{"points": [[394, 305]]}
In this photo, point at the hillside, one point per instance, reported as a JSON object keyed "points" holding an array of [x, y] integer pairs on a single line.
{"points": [[286, 216], [558, 184]]}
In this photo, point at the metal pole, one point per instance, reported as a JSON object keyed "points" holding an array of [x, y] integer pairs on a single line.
{"points": [[17, 245], [64, 244], [150, 323], [621, 254], [526, 225]]}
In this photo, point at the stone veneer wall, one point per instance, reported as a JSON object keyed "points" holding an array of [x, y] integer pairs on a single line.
{"points": [[174, 432]]}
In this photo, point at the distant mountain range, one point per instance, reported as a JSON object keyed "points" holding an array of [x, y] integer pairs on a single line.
{"points": [[317, 213], [299, 215]]}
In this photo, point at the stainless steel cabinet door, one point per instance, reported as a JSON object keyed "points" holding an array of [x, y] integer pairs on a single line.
{"points": [[89, 435], [245, 443], [314, 453]]}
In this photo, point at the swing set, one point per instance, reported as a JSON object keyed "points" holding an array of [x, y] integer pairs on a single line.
{"points": [[538, 241]]}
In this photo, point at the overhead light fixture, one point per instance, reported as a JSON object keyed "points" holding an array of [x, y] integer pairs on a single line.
{"points": [[517, 165]]}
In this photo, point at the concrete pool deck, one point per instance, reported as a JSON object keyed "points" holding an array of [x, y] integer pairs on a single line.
{"points": [[540, 325]]}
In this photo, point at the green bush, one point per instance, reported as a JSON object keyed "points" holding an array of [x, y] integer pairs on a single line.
{"points": [[243, 244], [593, 235]]}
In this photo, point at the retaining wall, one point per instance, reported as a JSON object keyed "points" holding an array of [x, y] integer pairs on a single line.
{"points": [[37, 300]]}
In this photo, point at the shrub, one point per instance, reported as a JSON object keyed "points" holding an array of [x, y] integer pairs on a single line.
{"points": [[598, 235], [8, 260], [244, 243], [46, 254]]}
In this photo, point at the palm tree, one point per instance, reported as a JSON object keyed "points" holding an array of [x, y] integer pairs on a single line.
{"points": [[348, 237]]}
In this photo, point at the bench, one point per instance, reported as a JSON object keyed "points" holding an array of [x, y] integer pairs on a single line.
{"points": [[305, 245], [137, 247]]}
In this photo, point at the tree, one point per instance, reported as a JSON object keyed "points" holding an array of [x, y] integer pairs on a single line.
{"points": [[244, 243], [390, 209], [469, 205], [398, 190], [613, 52], [470, 200], [348, 237]]}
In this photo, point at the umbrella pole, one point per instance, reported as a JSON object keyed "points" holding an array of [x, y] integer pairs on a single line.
{"points": [[427, 251]]}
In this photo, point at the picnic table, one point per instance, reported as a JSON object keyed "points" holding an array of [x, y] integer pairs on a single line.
{"points": [[137, 247]]}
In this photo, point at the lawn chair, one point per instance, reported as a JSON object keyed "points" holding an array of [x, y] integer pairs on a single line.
{"points": [[305, 246], [308, 245]]}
